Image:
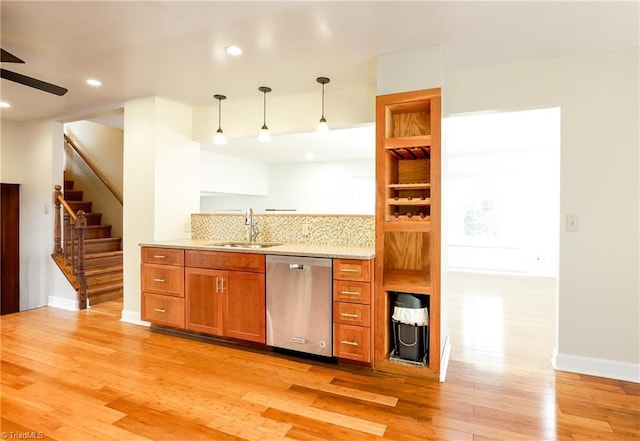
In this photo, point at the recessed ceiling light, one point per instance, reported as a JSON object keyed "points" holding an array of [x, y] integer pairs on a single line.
{"points": [[93, 82], [233, 50], [4, 104]]}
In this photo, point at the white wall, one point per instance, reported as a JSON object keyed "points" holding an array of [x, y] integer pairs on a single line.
{"points": [[228, 174], [32, 157], [103, 146], [344, 107], [598, 330], [599, 301], [161, 183], [341, 187]]}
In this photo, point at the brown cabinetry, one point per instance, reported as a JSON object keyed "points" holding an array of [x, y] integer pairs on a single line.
{"points": [[225, 294], [9, 248], [352, 311], [162, 285], [407, 215]]}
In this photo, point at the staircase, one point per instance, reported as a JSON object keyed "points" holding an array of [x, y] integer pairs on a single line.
{"points": [[103, 253]]}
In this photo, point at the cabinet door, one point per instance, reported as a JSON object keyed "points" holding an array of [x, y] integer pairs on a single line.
{"points": [[245, 312], [205, 300]]}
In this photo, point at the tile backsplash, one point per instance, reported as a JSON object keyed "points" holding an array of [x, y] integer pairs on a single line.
{"points": [[348, 230]]}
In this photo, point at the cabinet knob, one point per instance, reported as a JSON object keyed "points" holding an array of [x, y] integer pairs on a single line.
{"points": [[158, 256], [159, 280], [160, 310], [347, 314]]}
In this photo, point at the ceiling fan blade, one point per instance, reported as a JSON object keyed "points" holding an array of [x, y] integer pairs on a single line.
{"points": [[7, 57], [32, 82]]}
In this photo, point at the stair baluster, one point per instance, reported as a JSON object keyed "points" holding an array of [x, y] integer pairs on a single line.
{"points": [[79, 227]]}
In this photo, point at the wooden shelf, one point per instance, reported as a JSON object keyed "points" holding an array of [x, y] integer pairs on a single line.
{"points": [[412, 186], [411, 281], [409, 201], [411, 225], [404, 142]]}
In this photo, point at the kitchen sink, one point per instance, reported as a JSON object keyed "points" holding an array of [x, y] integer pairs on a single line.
{"points": [[251, 245]]}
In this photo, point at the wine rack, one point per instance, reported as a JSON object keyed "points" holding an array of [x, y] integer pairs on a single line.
{"points": [[407, 216]]}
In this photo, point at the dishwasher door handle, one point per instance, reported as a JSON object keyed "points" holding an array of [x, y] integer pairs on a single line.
{"points": [[296, 266]]}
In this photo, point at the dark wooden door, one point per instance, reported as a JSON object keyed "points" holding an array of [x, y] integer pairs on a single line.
{"points": [[9, 248]]}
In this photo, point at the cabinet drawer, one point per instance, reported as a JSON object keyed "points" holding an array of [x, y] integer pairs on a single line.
{"points": [[163, 256], [250, 262], [351, 314], [163, 310], [345, 269], [351, 342], [352, 292], [162, 279]]}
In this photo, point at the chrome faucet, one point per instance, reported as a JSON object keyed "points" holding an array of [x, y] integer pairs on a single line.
{"points": [[253, 225]]}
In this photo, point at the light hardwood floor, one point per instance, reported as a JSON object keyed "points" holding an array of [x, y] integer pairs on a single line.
{"points": [[87, 376]]}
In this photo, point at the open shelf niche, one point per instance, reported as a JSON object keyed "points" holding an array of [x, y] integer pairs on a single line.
{"points": [[407, 217]]}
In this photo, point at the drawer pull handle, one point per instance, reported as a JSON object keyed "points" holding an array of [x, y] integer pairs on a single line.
{"points": [[349, 270], [350, 293], [350, 343], [160, 310], [159, 256], [346, 314], [160, 280]]}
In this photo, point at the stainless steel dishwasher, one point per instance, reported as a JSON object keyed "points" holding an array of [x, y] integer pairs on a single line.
{"points": [[299, 304]]}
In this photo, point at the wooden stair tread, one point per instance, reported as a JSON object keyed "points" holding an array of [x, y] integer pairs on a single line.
{"points": [[103, 254], [103, 239]]}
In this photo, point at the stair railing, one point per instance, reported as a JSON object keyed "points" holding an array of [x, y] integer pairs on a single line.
{"points": [[93, 168], [73, 238]]}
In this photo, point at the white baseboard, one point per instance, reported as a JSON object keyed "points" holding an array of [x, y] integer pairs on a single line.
{"points": [[444, 359], [62, 303], [598, 367], [133, 318]]}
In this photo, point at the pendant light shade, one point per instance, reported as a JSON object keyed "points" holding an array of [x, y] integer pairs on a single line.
{"points": [[322, 125], [219, 137], [264, 130]]}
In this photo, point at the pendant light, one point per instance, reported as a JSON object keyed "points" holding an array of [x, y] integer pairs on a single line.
{"points": [[322, 125], [219, 138], [264, 130]]}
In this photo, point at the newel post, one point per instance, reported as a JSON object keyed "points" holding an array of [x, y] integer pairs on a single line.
{"points": [[80, 225], [57, 232]]}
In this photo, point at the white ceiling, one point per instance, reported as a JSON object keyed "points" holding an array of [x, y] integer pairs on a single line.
{"points": [[176, 49]]}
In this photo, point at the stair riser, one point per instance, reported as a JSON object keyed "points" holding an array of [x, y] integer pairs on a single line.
{"points": [[73, 195], [102, 262], [98, 247], [105, 296], [97, 233], [79, 205], [115, 276], [93, 218]]}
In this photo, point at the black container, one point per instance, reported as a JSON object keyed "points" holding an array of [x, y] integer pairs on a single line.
{"points": [[412, 301], [411, 340]]}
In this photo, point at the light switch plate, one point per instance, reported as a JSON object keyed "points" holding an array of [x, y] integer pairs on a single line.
{"points": [[571, 225]]}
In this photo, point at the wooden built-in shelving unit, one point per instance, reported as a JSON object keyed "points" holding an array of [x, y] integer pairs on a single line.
{"points": [[407, 217]]}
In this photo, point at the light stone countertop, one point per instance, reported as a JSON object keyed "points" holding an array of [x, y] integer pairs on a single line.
{"points": [[285, 249]]}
